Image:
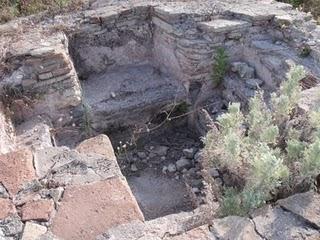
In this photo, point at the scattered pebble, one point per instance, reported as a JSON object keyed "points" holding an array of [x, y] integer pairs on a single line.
{"points": [[188, 152], [133, 168], [183, 163], [164, 169], [172, 168]]}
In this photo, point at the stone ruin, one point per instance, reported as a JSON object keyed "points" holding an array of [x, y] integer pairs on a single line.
{"points": [[118, 68]]}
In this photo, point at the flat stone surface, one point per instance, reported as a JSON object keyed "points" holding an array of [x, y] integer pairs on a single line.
{"points": [[277, 224], [235, 228], [37, 210], [305, 205], [34, 133], [33, 231], [98, 206], [200, 233], [223, 25], [16, 169], [6, 208], [100, 144], [51, 157]]}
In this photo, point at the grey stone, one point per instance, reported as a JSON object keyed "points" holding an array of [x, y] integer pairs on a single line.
{"points": [[242, 69], [235, 228], [189, 152], [133, 168], [305, 205], [11, 226], [254, 83], [277, 224], [160, 150], [214, 172], [172, 168], [164, 169], [183, 163], [141, 155]]}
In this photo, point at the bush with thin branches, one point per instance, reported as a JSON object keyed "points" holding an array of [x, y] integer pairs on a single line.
{"points": [[265, 146]]}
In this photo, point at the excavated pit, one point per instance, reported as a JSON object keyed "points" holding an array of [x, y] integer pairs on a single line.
{"points": [[161, 168], [137, 66]]}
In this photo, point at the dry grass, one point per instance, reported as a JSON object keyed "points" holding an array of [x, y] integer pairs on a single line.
{"points": [[10, 9]]}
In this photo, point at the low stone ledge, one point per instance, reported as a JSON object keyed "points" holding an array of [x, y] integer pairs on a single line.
{"points": [[223, 25]]}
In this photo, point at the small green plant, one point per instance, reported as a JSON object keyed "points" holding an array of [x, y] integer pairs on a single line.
{"points": [[86, 121], [220, 66], [264, 145]]}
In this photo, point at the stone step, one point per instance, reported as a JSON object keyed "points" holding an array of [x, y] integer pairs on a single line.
{"points": [[224, 25]]}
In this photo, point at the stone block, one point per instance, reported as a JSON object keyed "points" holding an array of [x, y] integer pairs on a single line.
{"points": [[100, 205], [16, 169], [223, 25], [39, 210]]}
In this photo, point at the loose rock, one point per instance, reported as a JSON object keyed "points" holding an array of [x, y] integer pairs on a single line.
{"points": [[183, 163], [172, 168]]}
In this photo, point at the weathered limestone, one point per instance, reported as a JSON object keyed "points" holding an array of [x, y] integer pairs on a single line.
{"points": [[16, 169], [101, 205], [33, 231], [223, 25]]}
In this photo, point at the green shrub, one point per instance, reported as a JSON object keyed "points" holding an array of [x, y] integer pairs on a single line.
{"points": [[220, 66], [262, 146]]}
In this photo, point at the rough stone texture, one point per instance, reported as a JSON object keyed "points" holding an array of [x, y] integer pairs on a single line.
{"points": [[100, 145], [63, 166], [16, 169], [277, 224], [40, 210], [33, 231], [304, 205], [6, 208], [139, 92], [11, 227], [233, 227], [34, 134], [200, 233], [47, 158], [223, 25], [102, 205], [170, 225]]}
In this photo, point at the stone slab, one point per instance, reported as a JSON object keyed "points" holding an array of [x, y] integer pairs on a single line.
{"points": [[305, 205], [223, 25], [16, 169], [100, 144], [33, 231], [40, 210], [277, 224], [99, 206]]}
